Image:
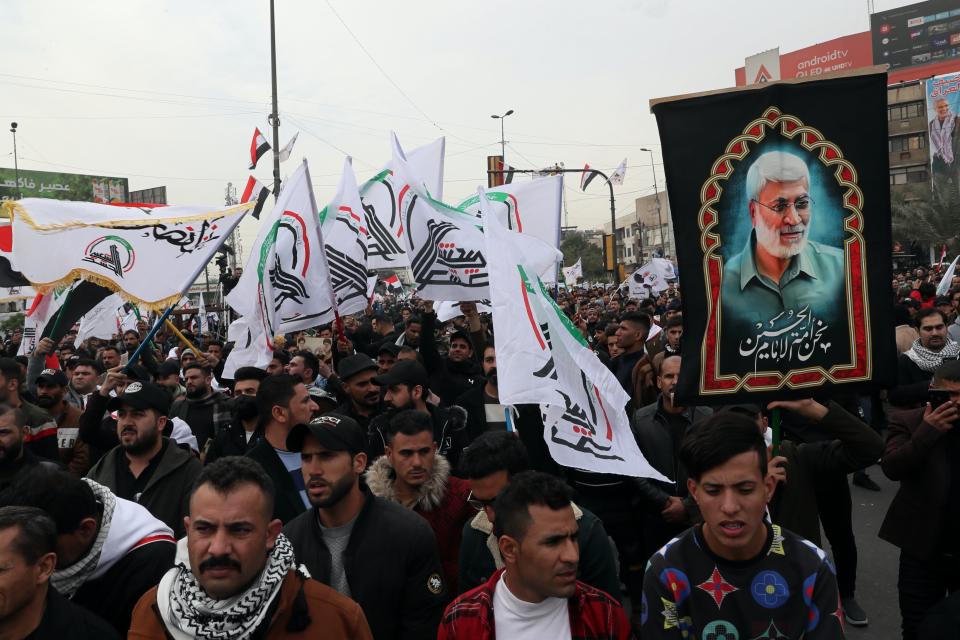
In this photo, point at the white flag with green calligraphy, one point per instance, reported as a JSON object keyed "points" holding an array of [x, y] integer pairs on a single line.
{"points": [[543, 359]]}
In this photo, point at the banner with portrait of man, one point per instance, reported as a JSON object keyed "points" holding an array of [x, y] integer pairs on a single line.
{"points": [[781, 207], [943, 131]]}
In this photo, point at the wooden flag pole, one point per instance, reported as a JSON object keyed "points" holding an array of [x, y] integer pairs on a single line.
{"points": [[182, 338]]}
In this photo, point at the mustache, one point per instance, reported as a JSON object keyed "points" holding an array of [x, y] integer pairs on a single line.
{"points": [[217, 562], [795, 228]]}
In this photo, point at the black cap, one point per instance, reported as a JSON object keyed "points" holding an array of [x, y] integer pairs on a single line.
{"points": [[322, 395], [409, 372], [390, 347], [461, 334], [674, 305], [335, 432], [352, 365], [168, 368], [53, 376], [142, 395]]}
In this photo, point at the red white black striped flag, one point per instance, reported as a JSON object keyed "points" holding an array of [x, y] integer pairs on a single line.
{"points": [[258, 147], [257, 192], [587, 177]]}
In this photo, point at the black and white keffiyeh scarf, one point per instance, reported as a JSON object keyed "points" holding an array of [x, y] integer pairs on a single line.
{"points": [[188, 612], [929, 360], [67, 581], [942, 133]]}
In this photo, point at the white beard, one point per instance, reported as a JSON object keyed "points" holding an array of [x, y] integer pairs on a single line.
{"points": [[769, 239]]}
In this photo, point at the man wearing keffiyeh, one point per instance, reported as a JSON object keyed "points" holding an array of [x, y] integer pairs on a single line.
{"points": [[235, 575], [915, 366]]}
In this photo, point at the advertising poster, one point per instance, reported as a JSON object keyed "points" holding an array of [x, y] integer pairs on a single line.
{"points": [[61, 186], [943, 107], [781, 206]]}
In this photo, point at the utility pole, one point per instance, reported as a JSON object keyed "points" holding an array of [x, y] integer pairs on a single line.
{"points": [[656, 194], [274, 118], [503, 142], [16, 167]]}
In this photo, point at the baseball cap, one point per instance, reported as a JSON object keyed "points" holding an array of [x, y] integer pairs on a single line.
{"points": [[322, 395], [335, 432], [168, 368], [390, 347], [53, 376], [352, 365], [142, 395], [408, 372]]}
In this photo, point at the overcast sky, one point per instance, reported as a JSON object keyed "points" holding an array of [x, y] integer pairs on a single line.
{"points": [[168, 92]]}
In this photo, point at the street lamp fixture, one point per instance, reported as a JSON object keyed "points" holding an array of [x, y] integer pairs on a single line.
{"points": [[16, 167], [503, 143]]}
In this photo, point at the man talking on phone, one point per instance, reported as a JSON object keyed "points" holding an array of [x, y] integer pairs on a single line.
{"points": [[923, 454]]}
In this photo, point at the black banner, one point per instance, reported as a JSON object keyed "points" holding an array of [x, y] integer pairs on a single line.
{"points": [[780, 199]]}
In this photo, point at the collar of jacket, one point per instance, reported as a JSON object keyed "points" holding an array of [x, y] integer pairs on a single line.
{"points": [[215, 397], [381, 480], [482, 524]]}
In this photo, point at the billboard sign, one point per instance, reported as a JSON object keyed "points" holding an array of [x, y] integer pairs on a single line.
{"points": [[943, 105], [62, 186], [840, 54], [917, 34], [763, 67]]}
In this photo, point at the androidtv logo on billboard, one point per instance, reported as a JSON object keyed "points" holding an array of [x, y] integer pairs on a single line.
{"points": [[839, 54]]}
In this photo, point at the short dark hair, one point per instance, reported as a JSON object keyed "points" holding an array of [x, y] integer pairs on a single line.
{"points": [[512, 506], [249, 373], [37, 535], [926, 313], [10, 369], [310, 360], [637, 317], [282, 356], [19, 415], [413, 319], [196, 365], [409, 422], [88, 362], [949, 371], [135, 334], [210, 343], [494, 451], [674, 321], [226, 474], [275, 391], [718, 438], [110, 347], [67, 499]]}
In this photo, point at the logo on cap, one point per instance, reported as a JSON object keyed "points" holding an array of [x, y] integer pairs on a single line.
{"points": [[434, 584], [133, 387], [326, 420], [49, 372]]}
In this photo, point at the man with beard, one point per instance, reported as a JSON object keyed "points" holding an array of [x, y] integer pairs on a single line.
{"points": [[15, 459], [109, 357], [407, 387], [147, 467], [205, 410], [356, 374], [944, 135], [110, 551], [74, 453], [411, 332], [780, 268], [387, 357], [367, 548], [41, 436], [243, 432], [236, 576], [915, 366], [131, 341], [413, 474]]}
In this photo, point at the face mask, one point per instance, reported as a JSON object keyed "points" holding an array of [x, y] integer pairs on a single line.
{"points": [[245, 407]]}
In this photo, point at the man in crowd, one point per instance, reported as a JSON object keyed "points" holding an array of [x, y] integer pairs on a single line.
{"points": [[282, 403], [168, 377], [407, 387], [110, 551], [131, 341], [915, 367], [109, 357], [659, 428], [411, 332], [32, 608], [386, 357], [372, 550], [146, 467], [459, 370], [278, 364], [489, 464], [306, 366], [15, 458], [923, 519], [236, 576], [413, 474], [356, 374], [51, 397], [633, 368], [244, 432], [384, 333], [41, 436], [536, 595], [83, 381], [735, 571], [206, 411]]}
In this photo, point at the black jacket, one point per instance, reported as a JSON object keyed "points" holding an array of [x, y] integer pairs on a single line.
{"points": [[65, 620], [448, 379], [287, 503], [912, 384], [113, 595], [231, 441], [392, 565], [449, 432], [167, 494]]}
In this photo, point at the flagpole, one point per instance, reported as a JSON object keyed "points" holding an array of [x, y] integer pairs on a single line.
{"points": [[274, 116], [149, 337], [323, 255]]}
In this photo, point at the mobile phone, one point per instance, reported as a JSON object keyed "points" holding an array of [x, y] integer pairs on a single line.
{"points": [[937, 397]]}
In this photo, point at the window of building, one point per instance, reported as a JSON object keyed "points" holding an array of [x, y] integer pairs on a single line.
{"points": [[905, 175], [914, 142], [905, 111]]}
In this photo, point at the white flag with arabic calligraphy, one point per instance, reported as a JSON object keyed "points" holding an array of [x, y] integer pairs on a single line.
{"points": [[149, 255], [286, 283], [542, 359], [381, 201], [343, 224]]}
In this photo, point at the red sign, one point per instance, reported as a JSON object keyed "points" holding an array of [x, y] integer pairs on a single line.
{"points": [[839, 54]]}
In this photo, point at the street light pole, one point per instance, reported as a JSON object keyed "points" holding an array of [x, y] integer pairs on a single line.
{"points": [[16, 167], [657, 196], [274, 118], [503, 142]]}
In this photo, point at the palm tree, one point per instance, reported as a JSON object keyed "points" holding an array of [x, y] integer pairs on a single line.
{"points": [[928, 217]]}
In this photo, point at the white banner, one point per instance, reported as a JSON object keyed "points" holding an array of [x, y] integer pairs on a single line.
{"points": [[343, 224], [102, 321], [542, 359], [447, 310], [381, 196], [572, 273], [148, 255], [44, 312], [651, 277], [17, 293]]}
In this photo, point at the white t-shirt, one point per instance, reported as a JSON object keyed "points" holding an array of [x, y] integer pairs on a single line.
{"points": [[519, 620]]}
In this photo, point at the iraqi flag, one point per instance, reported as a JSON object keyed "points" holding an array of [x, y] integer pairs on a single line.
{"points": [[586, 177], [255, 191], [9, 276], [258, 147]]}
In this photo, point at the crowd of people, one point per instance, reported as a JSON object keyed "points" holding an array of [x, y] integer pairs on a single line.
{"points": [[369, 483]]}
